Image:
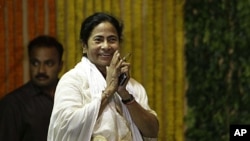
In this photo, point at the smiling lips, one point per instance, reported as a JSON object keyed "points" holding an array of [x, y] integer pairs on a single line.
{"points": [[106, 56]]}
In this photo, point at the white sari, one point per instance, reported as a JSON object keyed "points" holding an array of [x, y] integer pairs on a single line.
{"points": [[76, 107]]}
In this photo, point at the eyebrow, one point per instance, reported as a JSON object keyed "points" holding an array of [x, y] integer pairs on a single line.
{"points": [[108, 36], [35, 59]]}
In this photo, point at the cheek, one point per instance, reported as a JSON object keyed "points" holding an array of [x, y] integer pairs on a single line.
{"points": [[53, 70], [116, 46], [33, 70], [92, 52]]}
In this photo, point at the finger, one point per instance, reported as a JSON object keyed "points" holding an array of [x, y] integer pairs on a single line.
{"points": [[115, 58], [124, 64], [119, 65], [124, 68], [126, 57]]}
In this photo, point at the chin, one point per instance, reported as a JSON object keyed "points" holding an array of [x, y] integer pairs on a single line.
{"points": [[105, 63], [41, 84]]}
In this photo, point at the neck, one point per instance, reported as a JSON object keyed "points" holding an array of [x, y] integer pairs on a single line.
{"points": [[50, 91], [102, 70]]}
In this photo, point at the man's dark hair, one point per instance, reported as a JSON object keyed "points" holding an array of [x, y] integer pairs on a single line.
{"points": [[47, 41]]}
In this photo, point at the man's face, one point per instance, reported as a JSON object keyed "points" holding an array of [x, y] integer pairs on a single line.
{"points": [[44, 66]]}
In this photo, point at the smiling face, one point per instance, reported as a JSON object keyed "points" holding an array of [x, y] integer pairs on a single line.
{"points": [[102, 44]]}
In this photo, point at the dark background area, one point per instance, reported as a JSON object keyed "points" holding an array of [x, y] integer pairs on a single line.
{"points": [[218, 67]]}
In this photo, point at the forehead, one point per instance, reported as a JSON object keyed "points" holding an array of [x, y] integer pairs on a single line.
{"points": [[44, 53], [104, 28]]}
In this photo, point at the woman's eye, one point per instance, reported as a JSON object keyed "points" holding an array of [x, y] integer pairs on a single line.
{"points": [[98, 40], [112, 39]]}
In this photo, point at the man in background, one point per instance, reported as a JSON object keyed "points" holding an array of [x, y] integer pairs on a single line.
{"points": [[25, 112]]}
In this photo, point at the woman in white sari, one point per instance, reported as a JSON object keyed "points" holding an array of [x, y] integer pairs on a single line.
{"points": [[91, 102]]}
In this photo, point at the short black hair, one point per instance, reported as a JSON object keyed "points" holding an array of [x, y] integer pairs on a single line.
{"points": [[92, 21], [47, 41]]}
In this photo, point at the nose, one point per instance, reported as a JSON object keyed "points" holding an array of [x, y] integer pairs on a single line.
{"points": [[42, 68], [105, 45]]}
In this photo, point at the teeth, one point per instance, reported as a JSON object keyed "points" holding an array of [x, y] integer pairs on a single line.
{"points": [[106, 55]]}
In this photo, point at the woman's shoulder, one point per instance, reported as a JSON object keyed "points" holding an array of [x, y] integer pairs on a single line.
{"points": [[135, 85], [74, 76], [134, 82], [76, 72]]}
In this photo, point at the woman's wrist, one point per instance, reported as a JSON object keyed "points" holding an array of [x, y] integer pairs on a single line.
{"points": [[124, 94], [107, 93], [129, 101]]}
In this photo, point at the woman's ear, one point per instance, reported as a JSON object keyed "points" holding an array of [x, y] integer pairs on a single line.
{"points": [[84, 48]]}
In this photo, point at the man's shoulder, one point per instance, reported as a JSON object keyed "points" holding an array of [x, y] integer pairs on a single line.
{"points": [[16, 99], [18, 92]]}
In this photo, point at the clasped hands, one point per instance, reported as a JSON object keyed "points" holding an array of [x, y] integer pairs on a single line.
{"points": [[117, 67]]}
